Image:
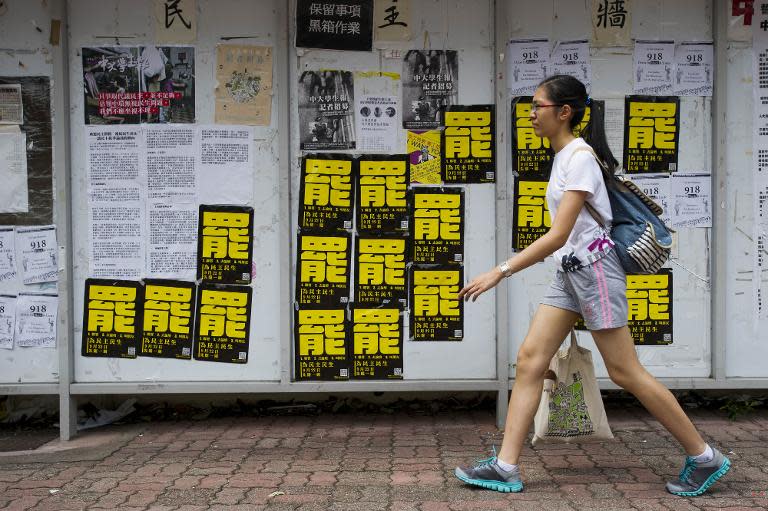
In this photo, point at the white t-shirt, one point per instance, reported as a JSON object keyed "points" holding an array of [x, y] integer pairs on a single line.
{"points": [[587, 242]]}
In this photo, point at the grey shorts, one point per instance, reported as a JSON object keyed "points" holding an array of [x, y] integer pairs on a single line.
{"points": [[597, 291]]}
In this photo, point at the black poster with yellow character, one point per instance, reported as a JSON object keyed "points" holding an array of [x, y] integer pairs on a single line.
{"points": [[223, 323], [531, 218], [377, 343], [321, 344], [380, 274], [651, 133], [437, 227], [469, 144], [532, 155], [326, 192], [225, 244], [650, 308], [382, 202], [111, 318], [323, 269], [169, 315], [437, 314]]}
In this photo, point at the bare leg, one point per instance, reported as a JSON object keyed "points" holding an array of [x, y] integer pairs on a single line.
{"points": [[618, 351], [548, 329]]}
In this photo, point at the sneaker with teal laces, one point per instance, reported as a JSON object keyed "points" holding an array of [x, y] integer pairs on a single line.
{"points": [[696, 478], [488, 474]]}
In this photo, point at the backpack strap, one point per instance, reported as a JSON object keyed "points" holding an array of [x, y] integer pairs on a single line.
{"points": [[592, 211]]}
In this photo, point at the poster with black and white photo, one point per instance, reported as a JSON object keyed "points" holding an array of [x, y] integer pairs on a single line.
{"points": [[430, 84], [377, 123], [653, 65], [335, 26], [694, 69], [7, 321], [527, 65], [7, 254], [691, 200], [36, 315], [326, 110], [37, 254]]}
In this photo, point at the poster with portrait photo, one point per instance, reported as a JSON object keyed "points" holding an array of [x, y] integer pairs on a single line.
{"points": [[430, 84], [326, 110]]}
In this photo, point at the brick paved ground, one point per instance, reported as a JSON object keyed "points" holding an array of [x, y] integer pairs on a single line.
{"points": [[383, 462]]}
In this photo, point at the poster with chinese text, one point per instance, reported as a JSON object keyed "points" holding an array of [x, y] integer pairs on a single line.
{"points": [[36, 318], [321, 340], [169, 314], [244, 89], [392, 20], [377, 343], [323, 269], [651, 133], [436, 312], [225, 244], [430, 85], [112, 316], [572, 58], [335, 25], [691, 200], [653, 66], [326, 110], [380, 274], [326, 192], [469, 144], [531, 219], [694, 65], [223, 323], [424, 153], [527, 65], [611, 23], [175, 21], [377, 123], [382, 202], [437, 230]]}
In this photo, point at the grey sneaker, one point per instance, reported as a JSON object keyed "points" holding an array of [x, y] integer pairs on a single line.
{"points": [[487, 474], [696, 478]]}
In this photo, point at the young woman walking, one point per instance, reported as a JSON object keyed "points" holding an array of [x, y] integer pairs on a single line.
{"points": [[589, 282]]}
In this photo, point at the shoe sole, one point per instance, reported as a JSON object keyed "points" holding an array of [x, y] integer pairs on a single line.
{"points": [[708, 483], [493, 485]]}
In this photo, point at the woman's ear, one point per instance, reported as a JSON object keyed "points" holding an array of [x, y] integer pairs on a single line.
{"points": [[565, 112]]}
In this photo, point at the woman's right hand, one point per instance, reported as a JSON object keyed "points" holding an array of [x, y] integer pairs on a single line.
{"points": [[481, 284]]}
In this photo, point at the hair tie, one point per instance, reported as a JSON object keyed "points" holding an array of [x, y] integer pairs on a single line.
{"points": [[588, 101]]}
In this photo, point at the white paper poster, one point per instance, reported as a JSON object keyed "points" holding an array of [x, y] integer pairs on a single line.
{"points": [[115, 164], [653, 65], [36, 320], [572, 58], [226, 164], [614, 126], [171, 151], [527, 65], [656, 186], [37, 254], [11, 107], [13, 172], [691, 200], [117, 240], [172, 248], [7, 254], [377, 123], [7, 321], [694, 69], [760, 167]]}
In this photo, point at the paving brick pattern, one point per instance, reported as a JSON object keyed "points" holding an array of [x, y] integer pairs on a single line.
{"points": [[393, 462]]}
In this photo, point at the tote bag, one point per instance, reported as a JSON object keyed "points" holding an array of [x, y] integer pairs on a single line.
{"points": [[571, 409]]}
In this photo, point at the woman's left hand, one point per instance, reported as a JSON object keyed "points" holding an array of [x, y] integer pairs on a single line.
{"points": [[481, 284]]}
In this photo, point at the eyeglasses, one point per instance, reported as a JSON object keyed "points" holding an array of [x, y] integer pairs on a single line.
{"points": [[536, 106]]}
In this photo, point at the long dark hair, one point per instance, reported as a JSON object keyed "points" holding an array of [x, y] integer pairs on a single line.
{"points": [[567, 90]]}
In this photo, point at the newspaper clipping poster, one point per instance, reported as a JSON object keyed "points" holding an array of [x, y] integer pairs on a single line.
{"points": [[36, 315], [326, 192], [382, 202], [225, 244], [324, 270], [244, 89], [226, 164], [139, 84], [527, 65], [7, 254], [436, 312], [7, 321], [438, 225], [377, 123], [651, 133], [172, 243], [321, 344], [326, 110], [222, 325], [37, 254], [469, 144], [380, 274], [14, 194], [112, 317], [377, 343], [169, 312], [430, 85]]}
